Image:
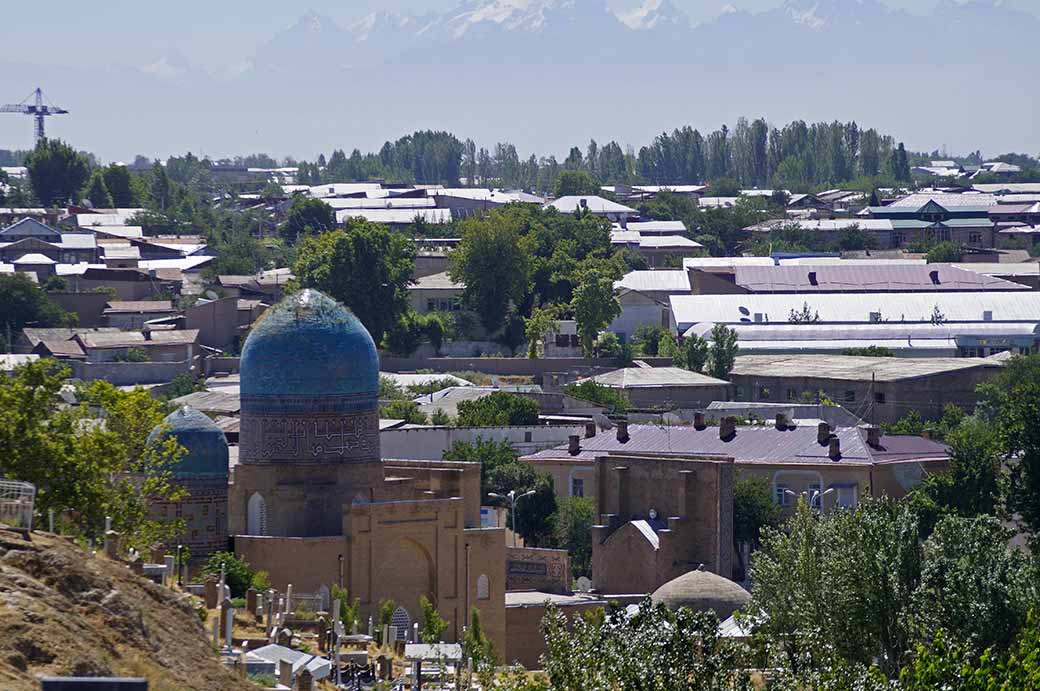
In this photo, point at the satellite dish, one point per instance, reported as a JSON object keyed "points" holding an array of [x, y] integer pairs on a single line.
{"points": [[744, 310], [211, 295]]}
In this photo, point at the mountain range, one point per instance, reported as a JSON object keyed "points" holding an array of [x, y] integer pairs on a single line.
{"points": [[547, 74]]}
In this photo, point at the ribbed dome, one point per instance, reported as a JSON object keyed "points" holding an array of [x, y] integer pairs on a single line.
{"points": [[309, 345], [701, 591], [206, 448]]}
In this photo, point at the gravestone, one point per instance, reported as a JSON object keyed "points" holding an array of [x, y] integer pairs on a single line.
{"points": [[285, 673], [210, 592], [170, 574], [284, 637], [305, 680], [251, 601], [391, 634], [323, 633], [229, 627]]}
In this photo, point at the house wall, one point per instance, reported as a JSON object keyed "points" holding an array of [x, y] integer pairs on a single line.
{"points": [[86, 306], [928, 395], [638, 309], [418, 298], [129, 373], [676, 396], [217, 322], [485, 555], [431, 443], [525, 643]]}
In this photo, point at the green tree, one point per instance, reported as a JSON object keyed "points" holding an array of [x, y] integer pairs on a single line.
{"points": [[476, 645], [572, 530], [26, 304], [57, 172], [238, 575], [805, 315], [723, 351], [494, 262], [944, 252], [97, 192], [349, 612], [489, 454], [85, 470], [599, 394], [440, 418], [651, 337], [307, 217], [653, 650], [434, 625], [498, 409], [753, 509], [595, 306], [406, 334], [119, 185], [542, 323], [364, 266], [1011, 400], [869, 351], [576, 182], [691, 353], [403, 410]]}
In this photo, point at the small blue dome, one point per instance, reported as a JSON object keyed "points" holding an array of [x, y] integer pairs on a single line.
{"points": [[206, 448], [309, 345]]}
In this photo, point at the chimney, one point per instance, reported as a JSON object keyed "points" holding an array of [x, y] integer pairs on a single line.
{"points": [[781, 421], [584, 203], [812, 279], [590, 430], [835, 450], [934, 275], [573, 444], [698, 420], [622, 431], [874, 435], [823, 433], [727, 428]]}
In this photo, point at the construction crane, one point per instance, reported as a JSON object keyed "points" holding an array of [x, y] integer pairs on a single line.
{"points": [[33, 105]]}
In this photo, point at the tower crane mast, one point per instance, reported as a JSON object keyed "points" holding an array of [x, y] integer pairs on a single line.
{"points": [[35, 106]]}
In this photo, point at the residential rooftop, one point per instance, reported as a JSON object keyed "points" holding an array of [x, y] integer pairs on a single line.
{"points": [[852, 367]]}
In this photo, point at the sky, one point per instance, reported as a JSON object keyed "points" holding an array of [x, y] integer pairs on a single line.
{"points": [[216, 35]]}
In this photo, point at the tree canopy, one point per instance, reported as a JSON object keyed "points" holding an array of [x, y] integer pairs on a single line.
{"points": [[57, 172]]}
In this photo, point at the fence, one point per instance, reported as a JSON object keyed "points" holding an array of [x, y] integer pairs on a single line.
{"points": [[17, 501]]}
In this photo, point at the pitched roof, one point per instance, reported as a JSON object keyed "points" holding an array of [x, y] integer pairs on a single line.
{"points": [[852, 367], [650, 377], [35, 334], [797, 445], [596, 205], [664, 281], [174, 336], [866, 278], [29, 226], [34, 259], [139, 306], [438, 281]]}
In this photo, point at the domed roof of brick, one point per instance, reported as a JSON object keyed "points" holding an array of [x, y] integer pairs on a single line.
{"points": [[206, 447], [701, 591], [309, 345]]}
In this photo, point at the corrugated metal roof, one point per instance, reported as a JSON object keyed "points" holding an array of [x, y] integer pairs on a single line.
{"points": [[657, 242], [795, 445], [725, 262], [663, 281], [381, 203], [997, 269], [840, 261], [396, 216], [596, 205], [1000, 306], [654, 227], [868, 278], [140, 306], [438, 281], [945, 200], [648, 377], [851, 367], [891, 330]]}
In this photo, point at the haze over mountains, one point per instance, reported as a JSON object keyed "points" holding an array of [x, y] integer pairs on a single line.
{"points": [[546, 74]]}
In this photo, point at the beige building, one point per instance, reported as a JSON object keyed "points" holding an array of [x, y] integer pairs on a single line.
{"points": [[313, 503]]}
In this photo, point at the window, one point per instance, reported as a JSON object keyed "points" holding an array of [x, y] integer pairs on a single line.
{"points": [[527, 436], [898, 239], [256, 515], [975, 238], [879, 397], [431, 305], [763, 392], [846, 497], [562, 340], [403, 621], [792, 394], [814, 489], [780, 495], [483, 588], [740, 392], [577, 487], [850, 396]]}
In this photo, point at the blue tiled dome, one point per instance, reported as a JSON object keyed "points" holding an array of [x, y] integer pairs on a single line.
{"points": [[205, 444], [309, 345]]}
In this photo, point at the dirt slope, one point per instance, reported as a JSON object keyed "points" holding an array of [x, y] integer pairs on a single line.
{"points": [[66, 612]]}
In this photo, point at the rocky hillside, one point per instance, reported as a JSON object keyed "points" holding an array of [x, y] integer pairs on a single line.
{"points": [[66, 612]]}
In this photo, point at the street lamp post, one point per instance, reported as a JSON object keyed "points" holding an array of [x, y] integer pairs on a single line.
{"points": [[812, 495], [513, 498]]}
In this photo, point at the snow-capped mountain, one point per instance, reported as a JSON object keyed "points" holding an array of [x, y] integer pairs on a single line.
{"points": [[655, 14]]}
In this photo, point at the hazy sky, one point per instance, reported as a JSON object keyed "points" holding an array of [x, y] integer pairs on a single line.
{"points": [[215, 34]]}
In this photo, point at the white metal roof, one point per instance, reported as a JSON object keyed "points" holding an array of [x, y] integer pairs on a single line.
{"points": [[338, 203], [396, 216], [663, 281], [654, 227], [1017, 306], [946, 200], [336, 189], [596, 205], [839, 261], [33, 259], [723, 262]]}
